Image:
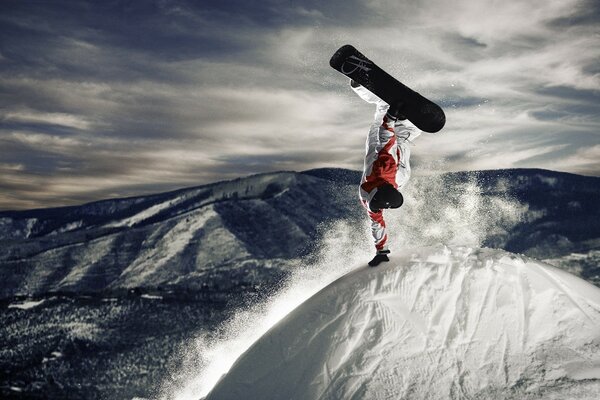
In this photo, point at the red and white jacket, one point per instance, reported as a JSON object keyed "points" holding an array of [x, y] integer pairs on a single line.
{"points": [[387, 160]]}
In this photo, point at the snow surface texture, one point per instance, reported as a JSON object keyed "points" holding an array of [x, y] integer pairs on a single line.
{"points": [[435, 323]]}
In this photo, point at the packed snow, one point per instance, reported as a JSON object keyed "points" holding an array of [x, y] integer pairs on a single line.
{"points": [[143, 215], [151, 297], [168, 245], [26, 305], [435, 323]]}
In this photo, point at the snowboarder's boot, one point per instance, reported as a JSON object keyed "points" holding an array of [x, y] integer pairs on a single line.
{"points": [[380, 257], [395, 113]]}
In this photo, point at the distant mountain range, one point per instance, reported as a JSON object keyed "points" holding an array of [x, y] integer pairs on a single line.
{"points": [[101, 300], [246, 231], [238, 228]]}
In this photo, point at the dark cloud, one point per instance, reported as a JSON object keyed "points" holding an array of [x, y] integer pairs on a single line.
{"points": [[110, 98], [586, 13], [584, 96]]}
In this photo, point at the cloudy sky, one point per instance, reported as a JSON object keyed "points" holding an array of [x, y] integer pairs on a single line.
{"points": [[104, 99]]}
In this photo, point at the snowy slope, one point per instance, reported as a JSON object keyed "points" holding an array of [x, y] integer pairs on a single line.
{"points": [[212, 236], [435, 323]]}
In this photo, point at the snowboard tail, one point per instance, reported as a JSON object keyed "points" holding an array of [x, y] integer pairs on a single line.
{"points": [[425, 114]]}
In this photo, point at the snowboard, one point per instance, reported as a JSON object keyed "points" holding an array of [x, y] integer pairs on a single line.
{"points": [[425, 114]]}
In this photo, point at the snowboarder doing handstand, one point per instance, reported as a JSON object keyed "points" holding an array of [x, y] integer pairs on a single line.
{"points": [[387, 167]]}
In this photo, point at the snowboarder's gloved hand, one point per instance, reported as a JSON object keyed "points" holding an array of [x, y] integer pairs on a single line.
{"points": [[386, 197], [380, 257]]}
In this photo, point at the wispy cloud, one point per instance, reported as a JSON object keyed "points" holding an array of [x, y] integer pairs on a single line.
{"points": [[584, 161], [61, 119], [110, 99]]}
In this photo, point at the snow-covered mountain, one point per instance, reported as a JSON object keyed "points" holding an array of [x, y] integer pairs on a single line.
{"points": [[247, 231], [246, 227], [115, 290], [436, 323]]}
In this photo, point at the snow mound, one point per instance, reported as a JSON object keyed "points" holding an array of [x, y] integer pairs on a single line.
{"points": [[434, 323]]}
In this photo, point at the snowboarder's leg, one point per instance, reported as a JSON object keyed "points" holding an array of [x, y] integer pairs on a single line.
{"points": [[381, 106], [365, 94], [403, 173], [406, 133]]}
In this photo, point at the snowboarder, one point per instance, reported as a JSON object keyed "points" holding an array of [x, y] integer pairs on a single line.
{"points": [[386, 168]]}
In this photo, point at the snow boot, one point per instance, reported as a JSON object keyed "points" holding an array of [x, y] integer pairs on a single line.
{"points": [[394, 112]]}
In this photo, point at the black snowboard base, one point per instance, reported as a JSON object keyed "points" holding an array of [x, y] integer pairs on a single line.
{"points": [[425, 114]]}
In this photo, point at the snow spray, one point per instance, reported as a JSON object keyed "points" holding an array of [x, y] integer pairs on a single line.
{"points": [[436, 210]]}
